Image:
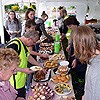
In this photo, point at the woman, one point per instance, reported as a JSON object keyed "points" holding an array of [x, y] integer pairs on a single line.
{"points": [[87, 50], [9, 62], [13, 25], [30, 14]]}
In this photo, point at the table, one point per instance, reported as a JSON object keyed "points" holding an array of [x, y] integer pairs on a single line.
{"points": [[52, 84]]}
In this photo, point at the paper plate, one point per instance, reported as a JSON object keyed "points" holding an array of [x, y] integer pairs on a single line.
{"points": [[35, 68]]}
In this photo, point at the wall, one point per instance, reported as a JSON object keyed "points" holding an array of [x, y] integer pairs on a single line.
{"points": [[81, 8]]}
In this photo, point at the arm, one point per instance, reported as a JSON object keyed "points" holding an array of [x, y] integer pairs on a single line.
{"points": [[45, 33], [83, 97], [6, 26], [23, 28], [24, 70], [20, 27], [38, 54], [33, 61]]}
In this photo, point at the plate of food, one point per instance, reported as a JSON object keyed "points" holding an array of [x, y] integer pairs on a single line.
{"points": [[42, 75], [36, 68], [62, 89], [62, 70], [49, 64], [60, 78]]}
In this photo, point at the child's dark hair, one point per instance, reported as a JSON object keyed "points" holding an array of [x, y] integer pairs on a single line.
{"points": [[71, 20], [30, 22], [44, 14]]}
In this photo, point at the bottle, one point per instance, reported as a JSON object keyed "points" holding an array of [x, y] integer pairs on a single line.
{"points": [[57, 37], [56, 47]]}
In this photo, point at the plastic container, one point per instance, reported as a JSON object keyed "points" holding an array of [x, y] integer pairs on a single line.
{"points": [[57, 37], [56, 47]]}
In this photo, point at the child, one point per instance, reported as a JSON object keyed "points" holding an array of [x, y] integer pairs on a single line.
{"points": [[87, 50], [9, 61]]}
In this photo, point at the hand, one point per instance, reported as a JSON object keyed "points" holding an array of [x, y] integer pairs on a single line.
{"points": [[45, 55], [11, 32], [74, 63], [62, 36], [83, 97], [17, 32], [68, 48], [40, 65]]}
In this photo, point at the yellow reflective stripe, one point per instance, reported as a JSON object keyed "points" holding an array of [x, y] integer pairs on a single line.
{"points": [[65, 17]]}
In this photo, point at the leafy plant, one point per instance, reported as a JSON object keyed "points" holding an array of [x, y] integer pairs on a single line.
{"points": [[15, 8]]}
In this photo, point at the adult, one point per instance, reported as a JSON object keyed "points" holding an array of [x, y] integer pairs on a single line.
{"points": [[6, 35], [62, 17], [20, 45], [13, 25], [87, 50], [78, 69], [9, 61], [63, 30], [29, 14]]}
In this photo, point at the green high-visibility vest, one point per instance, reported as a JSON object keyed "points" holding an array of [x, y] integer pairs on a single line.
{"points": [[65, 17], [68, 34], [20, 78]]}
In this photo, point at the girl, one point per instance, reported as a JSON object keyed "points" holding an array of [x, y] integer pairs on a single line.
{"points": [[87, 50]]}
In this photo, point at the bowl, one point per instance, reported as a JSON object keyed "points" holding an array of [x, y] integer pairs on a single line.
{"points": [[62, 89], [64, 63]]}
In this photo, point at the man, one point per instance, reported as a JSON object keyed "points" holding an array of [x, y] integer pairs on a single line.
{"points": [[63, 29], [20, 45], [61, 19]]}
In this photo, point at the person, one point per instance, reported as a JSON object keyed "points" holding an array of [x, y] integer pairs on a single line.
{"points": [[40, 26], [9, 61], [30, 25], [61, 18], [78, 69], [6, 35], [20, 45], [87, 50], [63, 29], [29, 14], [13, 25]]}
